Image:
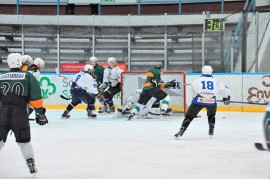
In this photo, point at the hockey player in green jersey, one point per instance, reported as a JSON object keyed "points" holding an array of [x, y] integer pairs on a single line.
{"points": [[152, 88], [18, 89], [98, 76], [98, 70]]}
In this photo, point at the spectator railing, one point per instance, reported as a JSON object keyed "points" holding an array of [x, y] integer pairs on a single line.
{"points": [[42, 2]]}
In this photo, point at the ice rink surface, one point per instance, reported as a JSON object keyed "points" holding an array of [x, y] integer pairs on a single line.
{"points": [[109, 148]]}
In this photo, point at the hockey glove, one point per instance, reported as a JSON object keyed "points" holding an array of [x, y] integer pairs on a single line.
{"points": [[100, 97], [171, 83], [41, 118], [114, 82], [226, 101]]}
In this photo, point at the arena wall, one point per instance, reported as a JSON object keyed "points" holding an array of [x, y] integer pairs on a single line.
{"points": [[244, 87]]}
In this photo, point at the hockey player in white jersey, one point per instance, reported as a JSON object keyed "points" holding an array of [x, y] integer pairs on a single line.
{"points": [[204, 91], [111, 84], [152, 107], [83, 89]]}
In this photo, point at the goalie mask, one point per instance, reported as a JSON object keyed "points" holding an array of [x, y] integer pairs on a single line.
{"points": [[207, 70], [14, 60]]}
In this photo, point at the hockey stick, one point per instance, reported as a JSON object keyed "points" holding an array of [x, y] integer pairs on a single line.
{"points": [[59, 75], [63, 97], [240, 102]]}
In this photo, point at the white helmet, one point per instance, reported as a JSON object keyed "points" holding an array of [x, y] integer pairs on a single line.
{"points": [[207, 70], [27, 58], [14, 60], [93, 59], [39, 62], [111, 59], [88, 67]]}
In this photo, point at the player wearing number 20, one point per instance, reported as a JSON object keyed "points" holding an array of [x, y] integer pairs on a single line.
{"points": [[204, 91], [18, 89]]}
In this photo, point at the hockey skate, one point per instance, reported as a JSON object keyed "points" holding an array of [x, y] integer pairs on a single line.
{"points": [[122, 114], [65, 114], [168, 112], [31, 165], [102, 109], [110, 109], [91, 114], [181, 132], [123, 111], [131, 116]]}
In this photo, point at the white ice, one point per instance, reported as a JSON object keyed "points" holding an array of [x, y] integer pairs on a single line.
{"points": [[109, 148]]}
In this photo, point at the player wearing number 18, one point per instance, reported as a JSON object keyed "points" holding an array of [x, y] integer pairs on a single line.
{"points": [[204, 91], [18, 89]]}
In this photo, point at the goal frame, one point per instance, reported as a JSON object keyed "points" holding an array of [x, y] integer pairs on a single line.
{"points": [[183, 85]]}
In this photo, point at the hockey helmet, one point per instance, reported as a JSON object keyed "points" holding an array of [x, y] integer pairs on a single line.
{"points": [[159, 66], [207, 70], [111, 59], [88, 67], [93, 59], [27, 58], [39, 62], [14, 60]]}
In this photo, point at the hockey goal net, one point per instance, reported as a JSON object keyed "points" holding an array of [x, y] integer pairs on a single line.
{"points": [[135, 80]]}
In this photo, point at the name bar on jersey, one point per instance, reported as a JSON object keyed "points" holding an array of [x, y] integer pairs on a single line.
{"points": [[12, 76]]}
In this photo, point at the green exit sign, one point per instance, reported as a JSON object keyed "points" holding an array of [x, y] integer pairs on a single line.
{"points": [[213, 25]]}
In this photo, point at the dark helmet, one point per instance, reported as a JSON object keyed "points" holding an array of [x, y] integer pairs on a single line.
{"points": [[159, 66]]}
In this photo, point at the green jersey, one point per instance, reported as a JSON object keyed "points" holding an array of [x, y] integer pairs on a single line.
{"points": [[98, 73], [152, 79], [27, 68], [22, 84]]}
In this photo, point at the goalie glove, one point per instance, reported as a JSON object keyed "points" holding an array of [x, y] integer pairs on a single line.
{"points": [[226, 101], [41, 118], [171, 84]]}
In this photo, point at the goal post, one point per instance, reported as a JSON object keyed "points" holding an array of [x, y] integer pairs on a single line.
{"points": [[135, 80]]}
